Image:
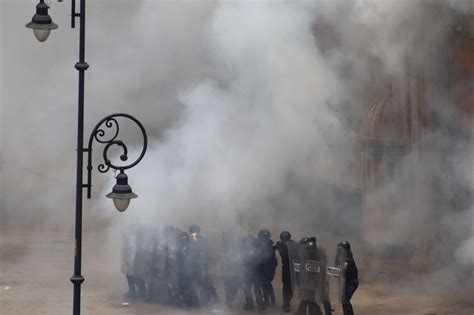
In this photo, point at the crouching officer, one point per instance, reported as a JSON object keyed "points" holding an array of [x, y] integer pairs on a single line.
{"points": [[349, 275]]}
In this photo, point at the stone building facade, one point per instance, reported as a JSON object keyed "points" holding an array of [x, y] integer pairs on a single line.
{"points": [[415, 126]]}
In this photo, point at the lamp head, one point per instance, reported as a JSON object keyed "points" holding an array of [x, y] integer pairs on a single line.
{"points": [[41, 23], [122, 192]]}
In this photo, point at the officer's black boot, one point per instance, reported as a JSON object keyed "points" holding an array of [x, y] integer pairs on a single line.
{"points": [[287, 295], [314, 309], [347, 308], [327, 308]]}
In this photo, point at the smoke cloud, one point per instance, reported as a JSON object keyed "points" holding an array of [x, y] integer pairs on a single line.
{"points": [[253, 111], [252, 124]]}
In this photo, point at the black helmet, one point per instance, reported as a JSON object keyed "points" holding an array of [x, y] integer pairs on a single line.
{"points": [[194, 229], [312, 239], [264, 234], [309, 246], [304, 240], [344, 244], [285, 236]]}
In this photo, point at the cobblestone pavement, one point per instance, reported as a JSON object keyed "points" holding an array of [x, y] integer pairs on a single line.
{"points": [[35, 268]]}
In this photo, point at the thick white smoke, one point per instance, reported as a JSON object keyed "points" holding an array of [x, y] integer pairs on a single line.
{"points": [[262, 116], [247, 104], [129, 72]]}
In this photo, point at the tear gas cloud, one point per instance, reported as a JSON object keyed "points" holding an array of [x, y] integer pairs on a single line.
{"points": [[251, 108]]}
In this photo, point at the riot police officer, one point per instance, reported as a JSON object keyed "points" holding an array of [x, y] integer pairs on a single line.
{"points": [[193, 267], [231, 267], [158, 289], [200, 290], [178, 275], [311, 277], [249, 276], [288, 250], [134, 260], [345, 258], [164, 279], [266, 267]]}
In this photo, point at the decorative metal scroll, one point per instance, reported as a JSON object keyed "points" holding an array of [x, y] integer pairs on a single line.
{"points": [[107, 132]]}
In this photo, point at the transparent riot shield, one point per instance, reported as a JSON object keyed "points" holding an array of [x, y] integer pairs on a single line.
{"points": [[325, 282], [323, 290], [172, 268], [174, 240], [143, 253], [159, 261], [293, 255], [129, 246], [341, 264], [309, 278], [312, 280], [339, 272], [159, 289]]}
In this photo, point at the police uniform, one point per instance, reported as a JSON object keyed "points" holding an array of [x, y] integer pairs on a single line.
{"points": [[231, 268], [266, 267], [287, 248], [249, 275], [345, 259], [192, 269]]}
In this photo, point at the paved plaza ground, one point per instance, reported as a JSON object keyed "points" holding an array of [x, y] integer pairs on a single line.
{"points": [[35, 268]]}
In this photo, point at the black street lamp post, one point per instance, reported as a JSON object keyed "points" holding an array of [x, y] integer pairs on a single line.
{"points": [[121, 194]]}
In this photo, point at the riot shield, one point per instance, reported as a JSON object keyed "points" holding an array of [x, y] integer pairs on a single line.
{"points": [[158, 260], [341, 264], [144, 253], [325, 282], [159, 288], [312, 280], [309, 280], [174, 241], [129, 246], [293, 255], [172, 268]]}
